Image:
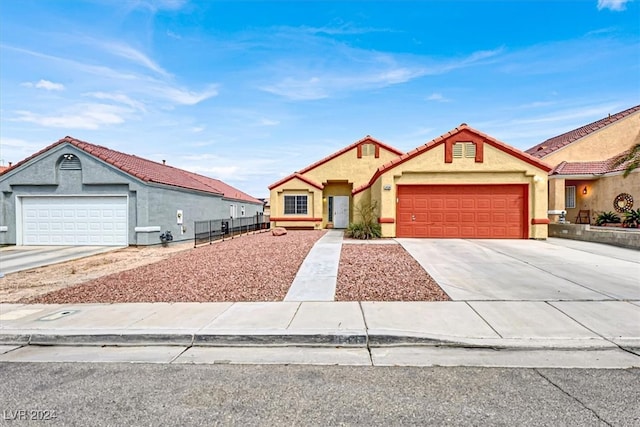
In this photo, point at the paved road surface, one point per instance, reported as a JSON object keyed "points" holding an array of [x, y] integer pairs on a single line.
{"points": [[159, 394]]}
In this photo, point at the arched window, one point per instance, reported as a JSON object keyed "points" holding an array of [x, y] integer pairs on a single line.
{"points": [[70, 162]]}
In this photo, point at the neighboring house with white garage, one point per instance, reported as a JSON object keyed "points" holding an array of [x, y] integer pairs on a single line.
{"points": [[76, 193]]}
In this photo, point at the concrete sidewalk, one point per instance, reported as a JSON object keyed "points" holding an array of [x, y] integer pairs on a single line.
{"points": [[562, 316], [490, 324]]}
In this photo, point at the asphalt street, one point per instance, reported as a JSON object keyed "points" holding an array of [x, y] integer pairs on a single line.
{"points": [[101, 394]]}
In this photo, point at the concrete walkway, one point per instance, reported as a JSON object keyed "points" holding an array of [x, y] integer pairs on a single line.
{"points": [[317, 276]]}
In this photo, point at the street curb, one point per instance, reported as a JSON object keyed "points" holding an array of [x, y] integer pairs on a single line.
{"points": [[296, 340]]}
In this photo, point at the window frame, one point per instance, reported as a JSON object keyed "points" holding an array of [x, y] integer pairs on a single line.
{"points": [[297, 199], [570, 196]]}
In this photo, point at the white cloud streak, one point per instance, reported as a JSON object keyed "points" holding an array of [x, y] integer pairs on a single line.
{"points": [[615, 5], [371, 72], [81, 116]]}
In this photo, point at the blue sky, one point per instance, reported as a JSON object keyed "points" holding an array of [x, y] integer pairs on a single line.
{"points": [[250, 91]]}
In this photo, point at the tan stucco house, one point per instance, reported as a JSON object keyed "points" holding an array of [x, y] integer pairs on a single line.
{"points": [[585, 180], [463, 184]]}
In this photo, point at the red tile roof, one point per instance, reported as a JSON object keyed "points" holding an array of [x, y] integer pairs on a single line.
{"points": [[366, 139], [440, 140], [552, 144], [149, 171], [591, 168]]}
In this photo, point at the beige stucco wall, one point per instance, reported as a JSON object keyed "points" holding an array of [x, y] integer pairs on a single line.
{"points": [[600, 145], [601, 191], [296, 187], [607, 188], [498, 167], [339, 176], [347, 166]]}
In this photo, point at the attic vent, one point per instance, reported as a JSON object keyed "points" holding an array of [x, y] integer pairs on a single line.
{"points": [[70, 162], [457, 150], [470, 150]]}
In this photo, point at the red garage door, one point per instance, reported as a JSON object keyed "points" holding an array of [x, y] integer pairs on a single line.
{"points": [[462, 211]]}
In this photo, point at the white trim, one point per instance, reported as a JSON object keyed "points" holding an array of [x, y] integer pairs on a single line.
{"points": [[4, 228], [557, 212], [20, 197], [147, 229]]}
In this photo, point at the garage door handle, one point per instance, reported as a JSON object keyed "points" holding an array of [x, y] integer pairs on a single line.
{"points": [[413, 217]]}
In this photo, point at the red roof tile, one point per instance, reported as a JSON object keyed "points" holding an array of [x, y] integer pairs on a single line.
{"points": [[300, 177], [590, 168], [440, 140], [149, 171], [552, 144]]}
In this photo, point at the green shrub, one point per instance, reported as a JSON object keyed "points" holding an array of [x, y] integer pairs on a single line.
{"points": [[607, 218], [367, 227], [632, 218]]}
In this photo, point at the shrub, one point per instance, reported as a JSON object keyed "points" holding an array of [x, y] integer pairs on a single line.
{"points": [[367, 227], [632, 218], [607, 218]]}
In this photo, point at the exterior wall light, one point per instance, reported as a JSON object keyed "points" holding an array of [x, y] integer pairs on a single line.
{"points": [[584, 190]]}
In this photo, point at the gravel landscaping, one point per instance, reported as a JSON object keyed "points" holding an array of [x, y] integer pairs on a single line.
{"points": [[258, 267], [255, 267], [383, 273]]}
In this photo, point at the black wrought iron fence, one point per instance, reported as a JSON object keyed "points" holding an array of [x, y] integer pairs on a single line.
{"points": [[220, 229]]}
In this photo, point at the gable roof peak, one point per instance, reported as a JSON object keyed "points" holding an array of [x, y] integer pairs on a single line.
{"points": [[555, 143], [149, 171]]}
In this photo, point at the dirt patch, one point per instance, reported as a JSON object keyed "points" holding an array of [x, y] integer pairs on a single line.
{"points": [[256, 267], [383, 273]]}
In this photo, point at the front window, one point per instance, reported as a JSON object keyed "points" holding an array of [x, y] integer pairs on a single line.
{"points": [[570, 197], [295, 205]]}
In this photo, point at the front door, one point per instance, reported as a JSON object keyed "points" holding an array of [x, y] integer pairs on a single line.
{"points": [[340, 211]]}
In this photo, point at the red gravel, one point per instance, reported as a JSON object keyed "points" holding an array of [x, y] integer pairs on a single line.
{"points": [[383, 273], [258, 267]]}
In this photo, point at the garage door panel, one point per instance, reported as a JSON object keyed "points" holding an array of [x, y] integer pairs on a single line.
{"points": [[464, 211], [74, 221]]}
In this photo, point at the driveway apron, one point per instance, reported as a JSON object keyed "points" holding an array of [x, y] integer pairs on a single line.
{"points": [[18, 258], [527, 270]]}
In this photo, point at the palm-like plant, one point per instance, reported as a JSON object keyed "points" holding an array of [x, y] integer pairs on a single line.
{"points": [[631, 158]]}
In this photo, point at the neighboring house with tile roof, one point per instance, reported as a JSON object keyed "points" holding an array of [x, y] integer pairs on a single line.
{"points": [[463, 184], [585, 175], [77, 193]]}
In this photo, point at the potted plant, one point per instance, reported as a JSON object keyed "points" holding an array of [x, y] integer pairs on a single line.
{"points": [[632, 218], [607, 218]]}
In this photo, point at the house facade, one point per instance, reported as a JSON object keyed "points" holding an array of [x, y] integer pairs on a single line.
{"points": [[77, 193], [586, 179], [463, 184]]}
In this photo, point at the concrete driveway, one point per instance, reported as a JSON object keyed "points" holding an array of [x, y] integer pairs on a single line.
{"points": [[529, 270], [18, 258]]}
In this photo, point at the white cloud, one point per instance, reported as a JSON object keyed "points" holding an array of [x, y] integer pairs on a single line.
{"points": [[437, 97], [617, 5], [15, 149], [268, 122], [186, 97], [117, 97], [134, 55], [44, 84], [359, 70], [81, 116]]}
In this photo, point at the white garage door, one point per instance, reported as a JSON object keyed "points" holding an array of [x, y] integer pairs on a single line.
{"points": [[74, 221]]}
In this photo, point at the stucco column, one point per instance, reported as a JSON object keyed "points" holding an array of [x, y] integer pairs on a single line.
{"points": [[556, 198]]}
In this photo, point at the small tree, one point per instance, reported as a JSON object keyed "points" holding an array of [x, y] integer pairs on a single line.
{"points": [[367, 227]]}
